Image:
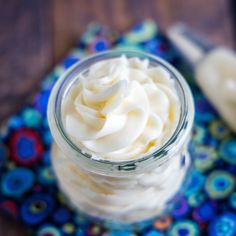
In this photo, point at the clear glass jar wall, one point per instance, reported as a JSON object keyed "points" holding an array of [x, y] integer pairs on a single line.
{"points": [[127, 191]]}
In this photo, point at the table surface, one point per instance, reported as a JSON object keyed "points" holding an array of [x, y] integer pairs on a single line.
{"points": [[35, 35]]}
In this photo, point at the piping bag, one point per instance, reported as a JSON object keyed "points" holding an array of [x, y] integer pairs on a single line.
{"points": [[214, 69]]}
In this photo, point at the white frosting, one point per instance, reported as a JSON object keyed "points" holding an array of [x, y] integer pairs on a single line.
{"points": [[122, 109], [216, 74], [125, 199]]}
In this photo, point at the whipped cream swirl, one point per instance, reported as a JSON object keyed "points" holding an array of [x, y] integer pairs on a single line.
{"points": [[122, 109]]}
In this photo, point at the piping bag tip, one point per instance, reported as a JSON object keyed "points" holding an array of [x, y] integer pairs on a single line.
{"points": [[190, 45], [214, 69]]}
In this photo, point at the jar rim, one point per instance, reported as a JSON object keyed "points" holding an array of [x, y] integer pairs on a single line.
{"points": [[117, 167]]}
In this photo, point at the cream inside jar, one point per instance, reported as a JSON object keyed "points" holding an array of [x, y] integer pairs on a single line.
{"points": [[121, 122], [121, 109]]}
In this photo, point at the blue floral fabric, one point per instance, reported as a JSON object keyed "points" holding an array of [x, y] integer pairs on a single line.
{"points": [[28, 189]]}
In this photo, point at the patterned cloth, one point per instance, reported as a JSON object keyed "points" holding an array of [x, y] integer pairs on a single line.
{"points": [[28, 189]]}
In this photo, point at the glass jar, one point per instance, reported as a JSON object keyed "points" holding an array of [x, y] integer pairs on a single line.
{"points": [[127, 191]]}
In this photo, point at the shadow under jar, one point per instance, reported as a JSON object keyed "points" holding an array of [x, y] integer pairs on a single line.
{"points": [[120, 191]]}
